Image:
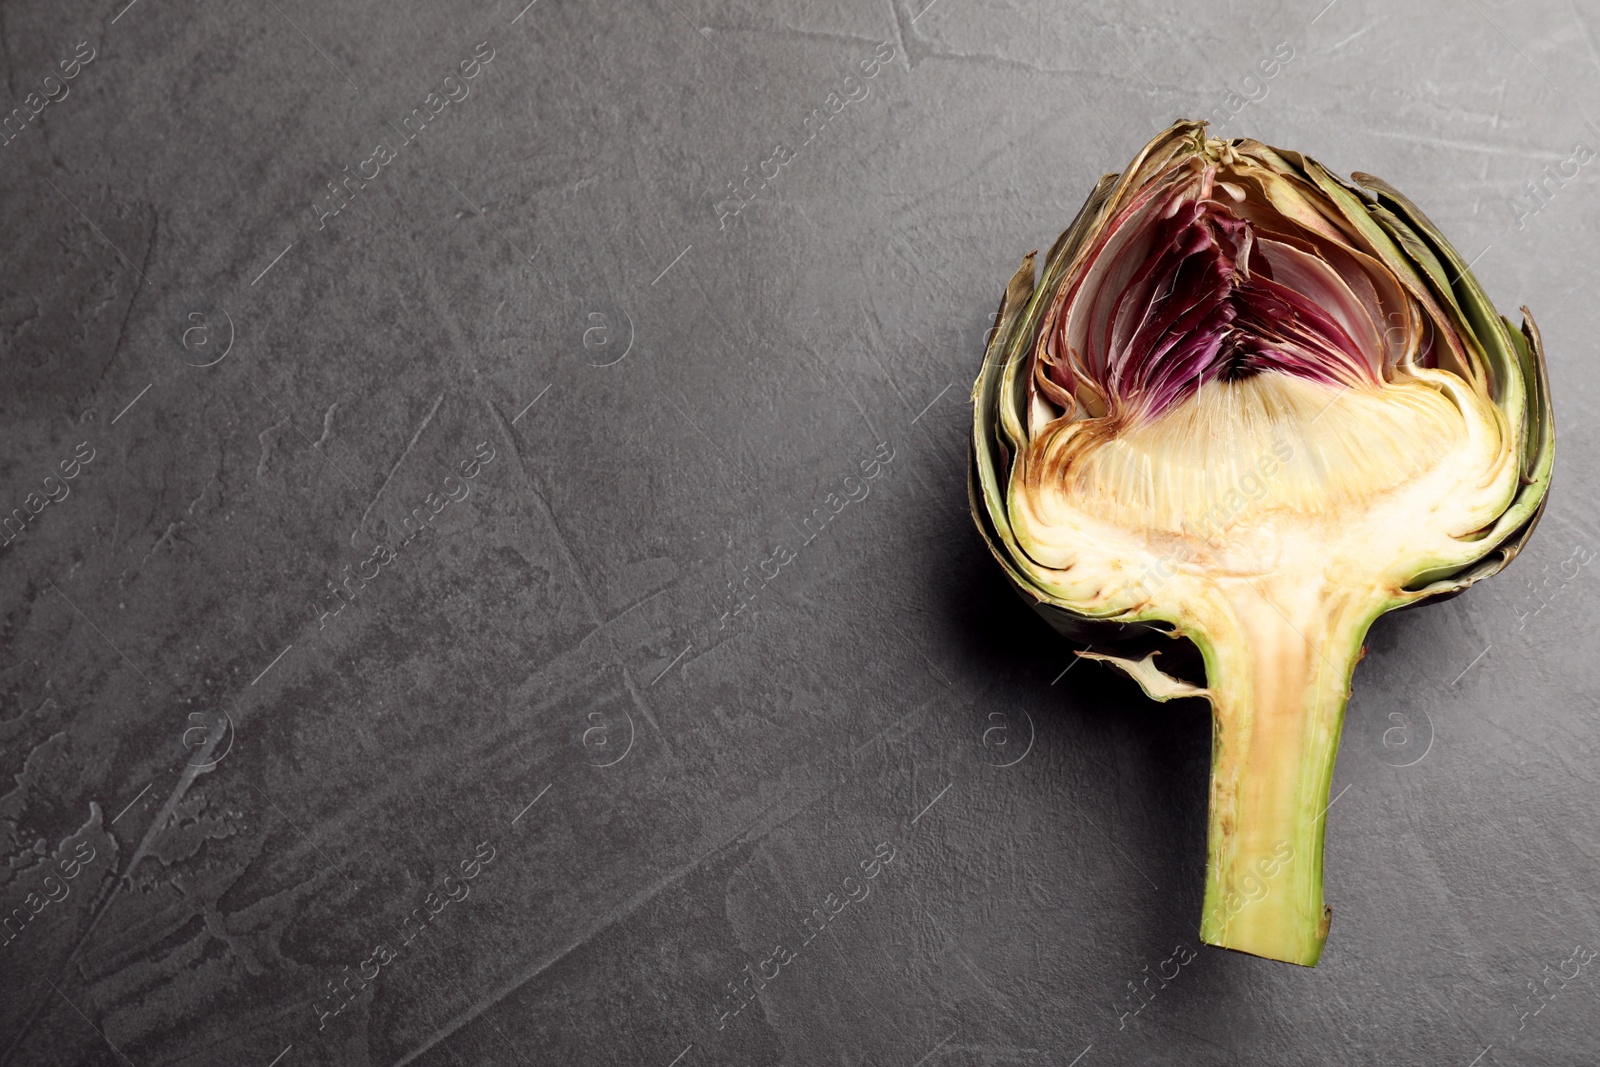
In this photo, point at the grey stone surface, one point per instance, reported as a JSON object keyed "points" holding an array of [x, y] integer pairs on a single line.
{"points": [[547, 688]]}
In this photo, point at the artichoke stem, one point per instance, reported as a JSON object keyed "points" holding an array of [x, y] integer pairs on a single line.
{"points": [[1278, 679]]}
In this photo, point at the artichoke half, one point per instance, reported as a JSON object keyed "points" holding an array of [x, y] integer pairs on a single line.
{"points": [[1255, 406]]}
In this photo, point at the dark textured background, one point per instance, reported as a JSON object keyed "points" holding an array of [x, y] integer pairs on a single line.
{"points": [[266, 794]]}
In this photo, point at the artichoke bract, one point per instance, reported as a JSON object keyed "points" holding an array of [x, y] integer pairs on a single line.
{"points": [[1252, 405]]}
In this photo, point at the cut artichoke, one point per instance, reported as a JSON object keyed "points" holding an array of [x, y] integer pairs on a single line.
{"points": [[1255, 406]]}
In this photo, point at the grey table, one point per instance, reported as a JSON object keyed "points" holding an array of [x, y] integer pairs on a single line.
{"points": [[458, 642]]}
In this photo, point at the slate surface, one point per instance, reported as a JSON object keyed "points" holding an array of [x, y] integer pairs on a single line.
{"points": [[544, 694]]}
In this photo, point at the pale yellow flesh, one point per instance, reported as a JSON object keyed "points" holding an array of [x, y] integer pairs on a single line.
{"points": [[1271, 519]]}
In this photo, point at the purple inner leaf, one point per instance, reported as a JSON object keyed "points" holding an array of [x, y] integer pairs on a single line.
{"points": [[1207, 300]]}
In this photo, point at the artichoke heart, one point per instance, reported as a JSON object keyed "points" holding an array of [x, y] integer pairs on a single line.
{"points": [[1255, 406]]}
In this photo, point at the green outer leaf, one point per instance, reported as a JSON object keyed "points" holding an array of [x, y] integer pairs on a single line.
{"points": [[991, 458], [1511, 532], [1016, 365], [999, 416], [1520, 384]]}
